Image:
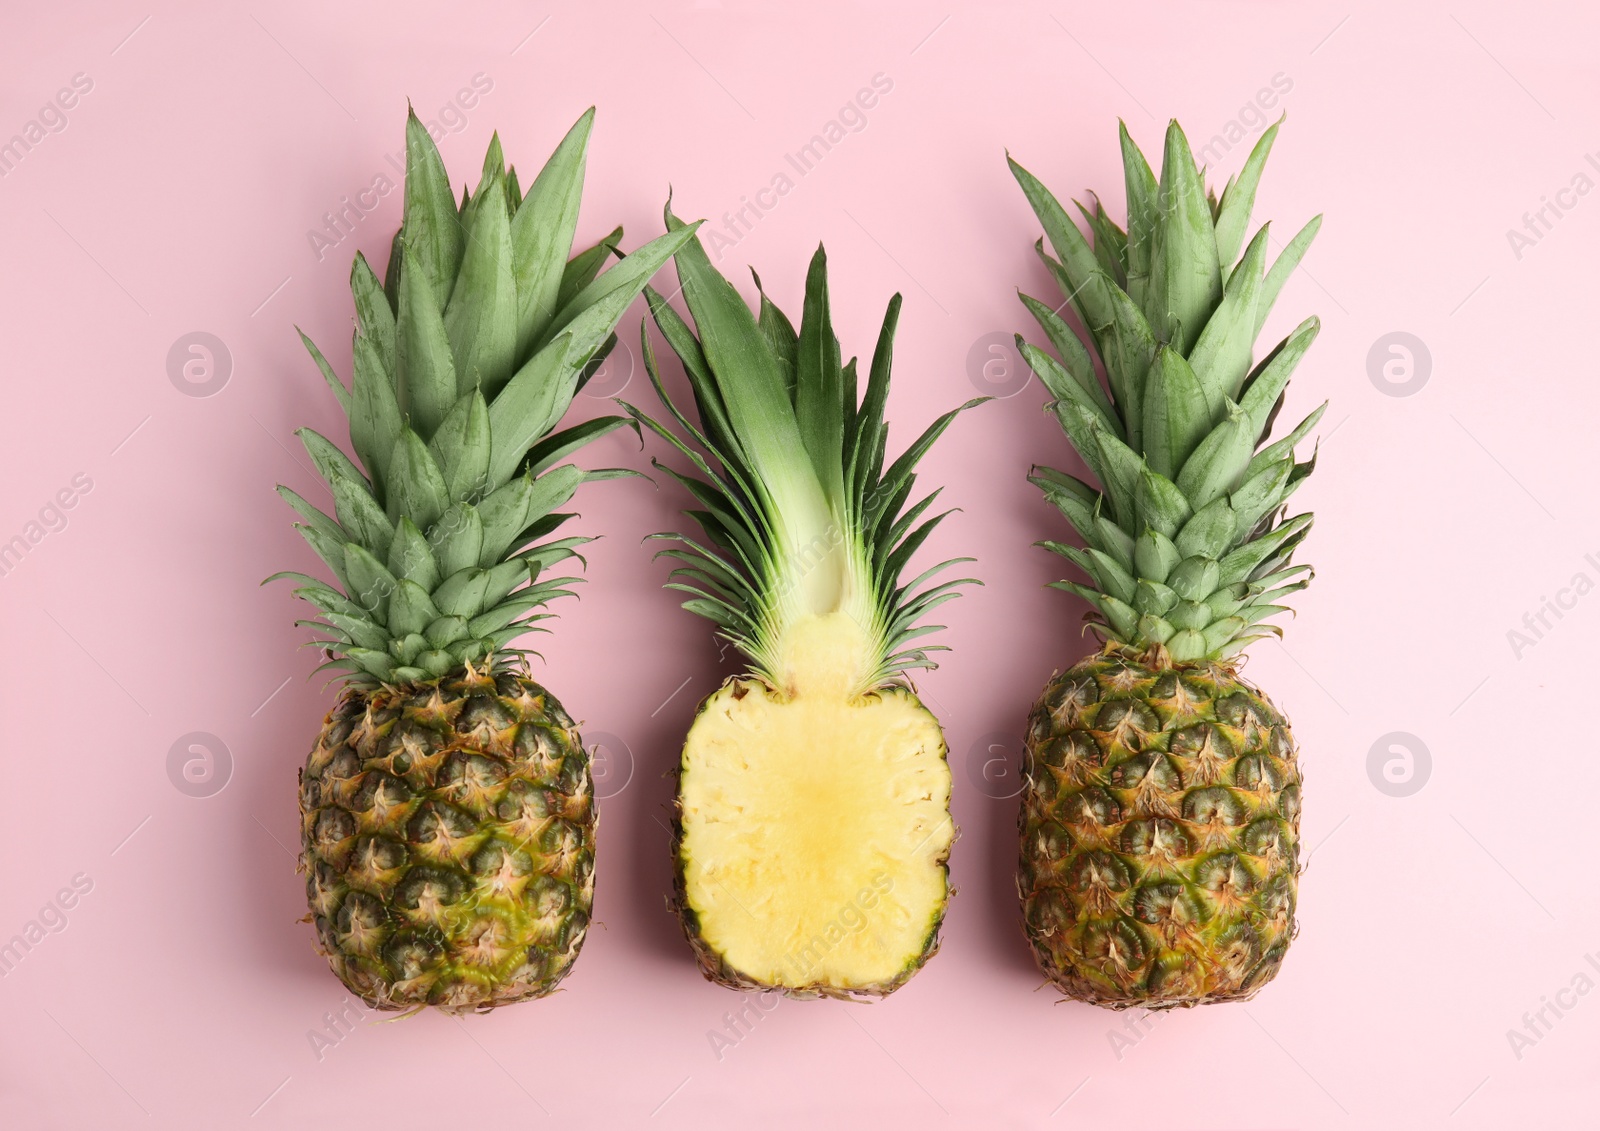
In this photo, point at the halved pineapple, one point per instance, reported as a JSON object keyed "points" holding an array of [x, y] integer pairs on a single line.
{"points": [[813, 803]]}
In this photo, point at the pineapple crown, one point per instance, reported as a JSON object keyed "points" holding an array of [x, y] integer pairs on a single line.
{"points": [[465, 359], [1185, 540], [802, 517]]}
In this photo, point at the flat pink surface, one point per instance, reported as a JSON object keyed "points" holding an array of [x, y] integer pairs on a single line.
{"points": [[176, 989]]}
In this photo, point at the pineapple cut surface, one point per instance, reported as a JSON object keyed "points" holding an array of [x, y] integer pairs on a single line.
{"points": [[814, 834]]}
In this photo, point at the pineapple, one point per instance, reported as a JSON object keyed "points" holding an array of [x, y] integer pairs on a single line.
{"points": [[1161, 806], [812, 816], [447, 811]]}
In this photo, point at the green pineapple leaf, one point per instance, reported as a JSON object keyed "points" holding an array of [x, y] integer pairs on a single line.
{"points": [[431, 235], [1185, 516]]}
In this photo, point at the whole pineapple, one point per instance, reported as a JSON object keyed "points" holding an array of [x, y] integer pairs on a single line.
{"points": [[1161, 807], [447, 811]]}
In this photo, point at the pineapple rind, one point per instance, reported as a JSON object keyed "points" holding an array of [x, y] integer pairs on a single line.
{"points": [[448, 842], [1160, 829]]}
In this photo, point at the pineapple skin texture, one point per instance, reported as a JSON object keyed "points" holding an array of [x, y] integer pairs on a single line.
{"points": [[448, 834], [1160, 828]]}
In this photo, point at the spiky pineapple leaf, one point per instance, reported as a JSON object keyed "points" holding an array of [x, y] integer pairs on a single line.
{"points": [[541, 233], [582, 268], [480, 323], [431, 234], [375, 418], [1185, 275], [461, 448], [1239, 198], [425, 366], [374, 316], [335, 385]]}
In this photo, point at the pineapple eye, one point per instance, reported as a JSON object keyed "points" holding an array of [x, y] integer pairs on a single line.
{"points": [[1225, 875], [334, 825], [1257, 772], [1263, 837], [1053, 842], [1048, 911], [412, 955], [427, 887], [1098, 871], [1166, 903], [548, 897], [484, 715]]}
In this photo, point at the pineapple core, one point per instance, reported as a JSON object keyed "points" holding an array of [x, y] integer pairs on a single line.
{"points": [[815, 824]]}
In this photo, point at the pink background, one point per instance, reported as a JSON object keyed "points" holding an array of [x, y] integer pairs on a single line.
{"points": [[181, 990]]}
